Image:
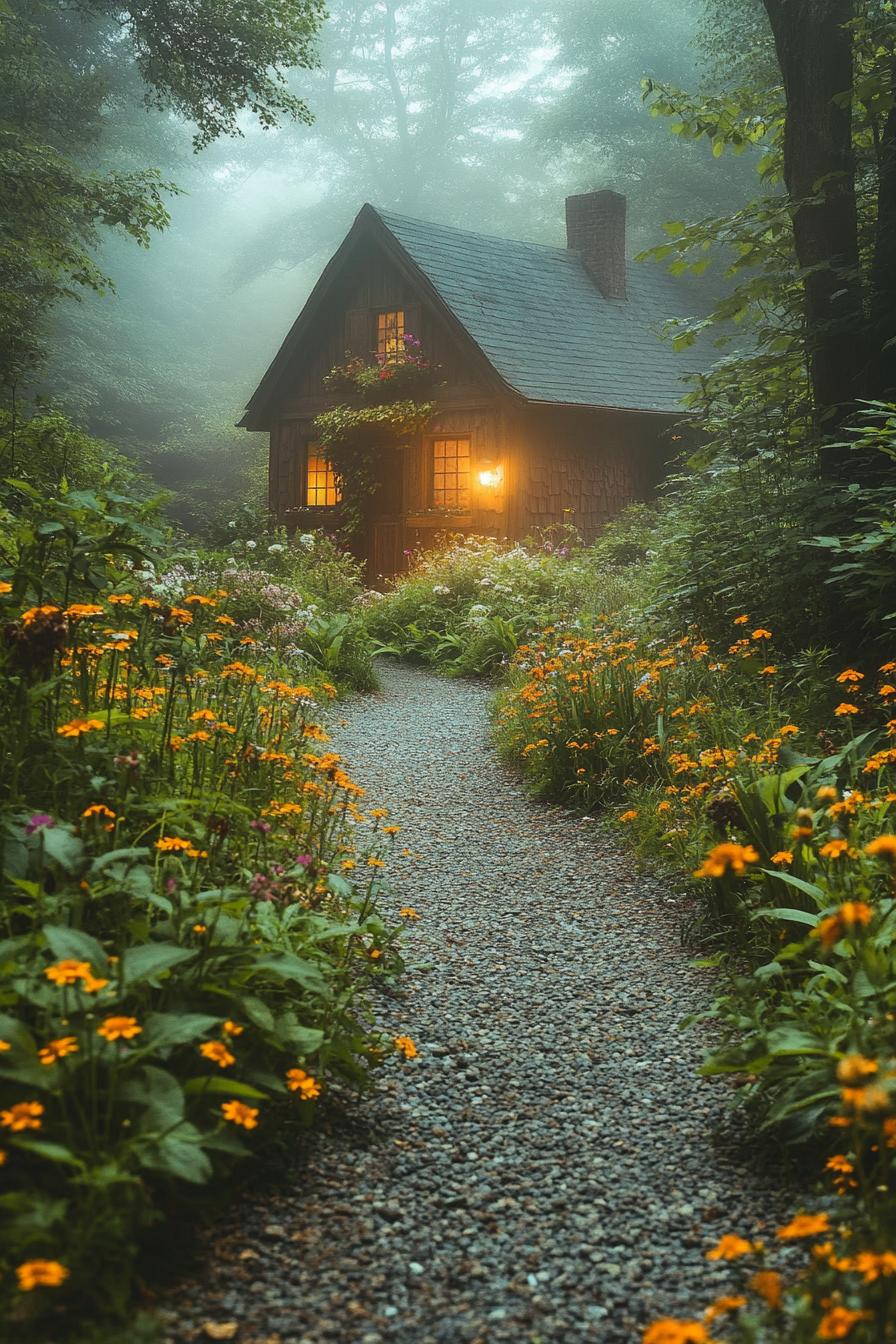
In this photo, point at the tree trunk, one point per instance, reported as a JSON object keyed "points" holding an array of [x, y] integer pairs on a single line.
{"points": [[882, 385], [815, 53]]}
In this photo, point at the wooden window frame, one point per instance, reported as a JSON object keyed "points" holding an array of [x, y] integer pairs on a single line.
{"points": [[448, 510], [312, 447], [400, 314]]}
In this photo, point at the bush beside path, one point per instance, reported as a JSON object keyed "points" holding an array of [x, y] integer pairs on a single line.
{"points": [[549, 1167]]}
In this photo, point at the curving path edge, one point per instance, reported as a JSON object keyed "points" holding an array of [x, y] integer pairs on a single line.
{"points": [[550, 1169]]}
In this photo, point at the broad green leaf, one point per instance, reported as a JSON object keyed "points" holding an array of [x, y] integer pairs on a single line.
{"points": [[163, 1030], [152, 959], [74, 944]]}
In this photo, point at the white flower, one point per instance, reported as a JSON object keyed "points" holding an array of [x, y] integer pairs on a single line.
{"points": [[441, 589], [306, 540], [232, 524], [250, 545], [276, 549]]}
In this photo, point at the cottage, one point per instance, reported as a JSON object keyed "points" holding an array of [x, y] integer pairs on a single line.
{"points": [[556, 398]]}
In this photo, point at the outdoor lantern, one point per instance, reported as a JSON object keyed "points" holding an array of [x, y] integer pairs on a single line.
{"points": [[491, 475]]}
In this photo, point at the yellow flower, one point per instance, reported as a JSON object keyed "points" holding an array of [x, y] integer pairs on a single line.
{"points": [[782, 858], [804, 1225], [233, 1028], [80, 611], [834, 849], [5, 1045], [23, 1115], [40, 1274], [5, 587], [868, 1098], [218, 1053], [119, 1028], [240, 1114], [297, 1080], [727, 858], [761, 634], [851, 675], [408, 912], [406, 1046], [77, 727], [58, 1049], [741, 620], [731, 1247], [845, 708]]}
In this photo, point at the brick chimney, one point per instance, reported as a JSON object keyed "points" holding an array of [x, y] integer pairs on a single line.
{"points": [[595, 228]]}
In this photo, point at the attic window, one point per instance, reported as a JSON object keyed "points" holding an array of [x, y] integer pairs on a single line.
{"points": [[451, 473], [321, 487], [390, 333]]}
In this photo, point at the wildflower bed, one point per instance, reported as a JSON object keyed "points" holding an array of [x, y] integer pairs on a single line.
{"points": [[191, 934], [788, 829]]}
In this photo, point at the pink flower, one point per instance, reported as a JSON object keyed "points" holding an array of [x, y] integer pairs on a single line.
{"points": [[40, 821]]}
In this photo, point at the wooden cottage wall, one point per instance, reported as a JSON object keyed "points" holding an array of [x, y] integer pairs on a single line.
{"points": [[584, 468]]}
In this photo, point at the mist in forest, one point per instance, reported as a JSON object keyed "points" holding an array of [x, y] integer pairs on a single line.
{"points": [[484, 114]]}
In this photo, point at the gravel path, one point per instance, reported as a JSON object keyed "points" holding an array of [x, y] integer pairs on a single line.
{"points": [[549, 1170]]}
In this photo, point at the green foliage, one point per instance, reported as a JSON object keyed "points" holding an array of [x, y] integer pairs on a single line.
{"points": [[466, 608], [186, 952], [47, 449]]}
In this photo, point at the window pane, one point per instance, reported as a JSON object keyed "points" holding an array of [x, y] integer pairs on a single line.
{"points": [[321, 486], [451, 473], [390, 333]]}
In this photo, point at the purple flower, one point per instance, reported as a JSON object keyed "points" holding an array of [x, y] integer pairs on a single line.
{"points": [[39, 822], [263, 827], [304, 860], [171, 885]]}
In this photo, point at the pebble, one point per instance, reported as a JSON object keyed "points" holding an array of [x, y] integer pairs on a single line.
{"points": [[551, 1168]]}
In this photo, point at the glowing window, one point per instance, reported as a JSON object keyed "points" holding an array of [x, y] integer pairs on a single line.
{"points": [[321, 486], [390, 333], [451, 473]]}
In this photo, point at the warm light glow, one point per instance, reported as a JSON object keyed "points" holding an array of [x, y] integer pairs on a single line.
{"points": [[491, 477]]}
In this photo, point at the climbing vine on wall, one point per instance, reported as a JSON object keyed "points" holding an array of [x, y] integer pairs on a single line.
{"points": [[354, 433]]}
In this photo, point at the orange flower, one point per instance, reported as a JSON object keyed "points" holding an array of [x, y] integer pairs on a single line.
{"points": [[731, 1247], [851, 675], [723, 1305], [834, 927], [240, 1114], [845, 708], [98, 810], [871, 1097], [406, 1046], [233, 1028], [782, 858], [853, 1068], [884, 845], [761, 634], [40, 1274], [297, 1080], [768, 1284], [804, 1225], [669, 1330], [834, 849], [727, 858], [77, 727], [67, 972], [119, 1028], [630, 815], [837, 1322], [408, 912], [58, 1049], [218, 1053], [23, 1115], [172, 844]]}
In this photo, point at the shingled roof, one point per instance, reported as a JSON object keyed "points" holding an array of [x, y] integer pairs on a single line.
{"points": [[538, 316], [544, 325]]}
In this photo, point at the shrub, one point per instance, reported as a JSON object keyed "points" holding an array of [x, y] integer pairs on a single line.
{"points": [[466, 607], [191, 933]]}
